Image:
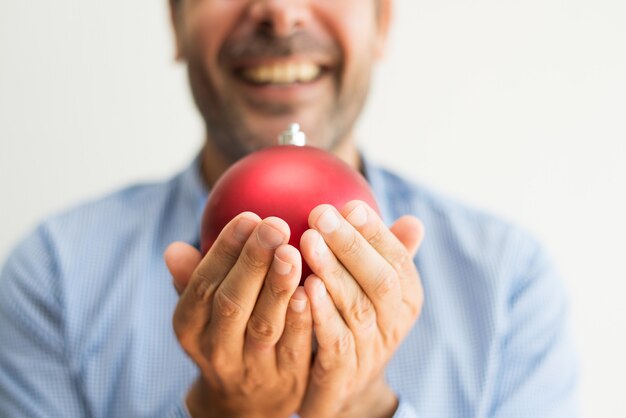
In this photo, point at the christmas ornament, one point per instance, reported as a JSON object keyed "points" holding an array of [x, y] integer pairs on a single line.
{"points": [[286, 181]]}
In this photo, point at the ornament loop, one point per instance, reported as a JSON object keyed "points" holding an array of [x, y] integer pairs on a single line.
{"points": [[292, 136]]}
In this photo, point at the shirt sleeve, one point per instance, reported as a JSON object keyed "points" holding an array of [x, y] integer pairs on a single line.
{"points": [[537, 366], [35, 377]]}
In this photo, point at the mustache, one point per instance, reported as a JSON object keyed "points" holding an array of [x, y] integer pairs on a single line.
{"points": [[263, 45]]}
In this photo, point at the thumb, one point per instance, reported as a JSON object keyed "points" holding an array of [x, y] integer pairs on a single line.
{"points": [[181, 260], [410, 232]]}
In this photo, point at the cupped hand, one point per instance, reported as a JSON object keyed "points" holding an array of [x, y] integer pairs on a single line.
{"points": [[243, 320], [365, 296]]}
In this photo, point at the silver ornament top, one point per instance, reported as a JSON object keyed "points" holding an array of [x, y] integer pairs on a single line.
{"points": [[292, 136]]}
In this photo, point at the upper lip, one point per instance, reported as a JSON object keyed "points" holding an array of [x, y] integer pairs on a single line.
{"points": [[257, 50], [252, 62], [284, 71]]}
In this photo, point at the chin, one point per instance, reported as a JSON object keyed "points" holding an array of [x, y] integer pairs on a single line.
{"points": [[265, 131], [258, 130]]}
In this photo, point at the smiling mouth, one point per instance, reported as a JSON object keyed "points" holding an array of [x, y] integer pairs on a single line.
{"points": [[281, 73]]}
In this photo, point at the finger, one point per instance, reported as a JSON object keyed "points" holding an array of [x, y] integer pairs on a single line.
{"points": [[350, 300], [398, 245], [335, 361], [267, 321], [410, 232], [293, 350], [374, 274], [223, 254], [352, 303], [236, 296], [181, 260], [333, 336], [193, 309], [399, 249]]}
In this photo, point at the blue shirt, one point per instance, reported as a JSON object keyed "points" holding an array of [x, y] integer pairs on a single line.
{"points": [[86, 306]]}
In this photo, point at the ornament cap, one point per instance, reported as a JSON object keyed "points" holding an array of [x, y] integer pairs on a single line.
{"points": [[292, 136]]}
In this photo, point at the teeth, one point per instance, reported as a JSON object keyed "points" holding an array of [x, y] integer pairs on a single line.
{"points": [[282, 73]]}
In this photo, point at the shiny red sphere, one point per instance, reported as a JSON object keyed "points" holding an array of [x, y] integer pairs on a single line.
{"points": [[285, 181]]}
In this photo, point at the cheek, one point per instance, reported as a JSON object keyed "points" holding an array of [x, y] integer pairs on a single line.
{"points": [[208, 24], [352, 25]]}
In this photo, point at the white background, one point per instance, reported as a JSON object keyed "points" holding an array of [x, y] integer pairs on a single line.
{"points": [[518, 107]]}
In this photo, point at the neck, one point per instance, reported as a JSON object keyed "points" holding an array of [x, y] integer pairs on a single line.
{"points": [[214, 163]]}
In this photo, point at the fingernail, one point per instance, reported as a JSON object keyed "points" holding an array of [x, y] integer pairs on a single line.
{"points": [[297, 305], [269, 237], [281, 267], [298, 300], [243, 229], [328, 221], [358, 216]]}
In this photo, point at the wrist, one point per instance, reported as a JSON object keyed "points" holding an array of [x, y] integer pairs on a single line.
{"points": [[378, 400], [201, 405], [196, 403], [387, 405]]}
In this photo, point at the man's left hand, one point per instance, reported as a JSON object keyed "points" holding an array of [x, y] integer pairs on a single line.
{"points": [[365, 296]]}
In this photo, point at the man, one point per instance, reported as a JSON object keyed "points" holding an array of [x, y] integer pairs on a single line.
{"points": [[86, 304]]}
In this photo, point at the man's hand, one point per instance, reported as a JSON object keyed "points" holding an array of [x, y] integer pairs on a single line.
{"points": [[365, 296], [243, 320]]}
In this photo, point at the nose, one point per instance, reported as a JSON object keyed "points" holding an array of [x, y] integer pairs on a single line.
{"points": [[280, 18]]}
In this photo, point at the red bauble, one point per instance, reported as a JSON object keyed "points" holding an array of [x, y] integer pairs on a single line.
{"points": [[286, 181]]}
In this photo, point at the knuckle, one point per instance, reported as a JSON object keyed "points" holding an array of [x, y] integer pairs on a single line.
{"points": [[363, 313], [278, 289], [337, 269], [376, 237], [252, 383], [298, 323], [252, 263], [226, 307], [289, 353], [402, 260], [393, 337], [203, 286], [262, 330], [386, 280], [326, 370], [413, 299], [352, 246], [342, 345], [220, 364], [227, 251], [415, 304]]}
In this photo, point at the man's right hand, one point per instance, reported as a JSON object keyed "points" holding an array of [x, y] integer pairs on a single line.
{"points": [[243, 320]]}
